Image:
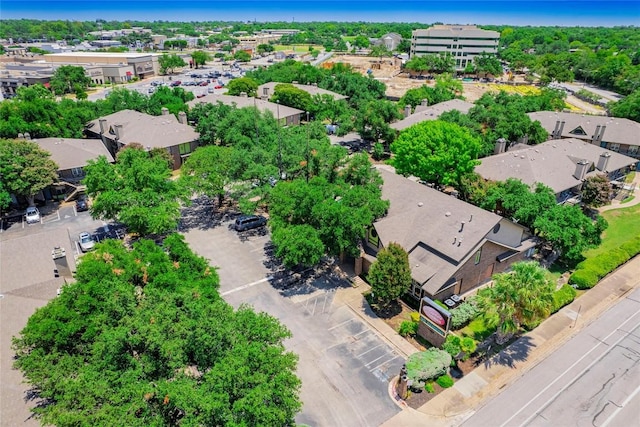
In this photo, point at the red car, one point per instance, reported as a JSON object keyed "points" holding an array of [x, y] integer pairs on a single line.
{"points": [[205, 83], [217, 87], [176, 83]]}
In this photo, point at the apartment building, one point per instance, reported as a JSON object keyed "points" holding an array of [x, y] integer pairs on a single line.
{"points": [[463, 42]]}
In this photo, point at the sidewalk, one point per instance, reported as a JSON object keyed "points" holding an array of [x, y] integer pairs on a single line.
{"points": [[454, 405], [616, 204]]}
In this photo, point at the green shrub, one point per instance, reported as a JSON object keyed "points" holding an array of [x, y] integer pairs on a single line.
{"points": [[478, 329], [632, 247], [584, 279], [464, 313], [429, 388], [452, 345], [415, 317], [468, 346], [408, 328], [425, 365], [563, 296], [445, 381], [441, 304]]}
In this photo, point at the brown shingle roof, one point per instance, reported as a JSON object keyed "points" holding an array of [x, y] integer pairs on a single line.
{"points": [[71, 153], [621, 131], [151, 131], [433, 112], [425, 222], [551, 163], [310, 89], [245, 101]]}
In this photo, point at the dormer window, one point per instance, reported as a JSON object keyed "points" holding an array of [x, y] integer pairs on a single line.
{"points": [[578, 131]]}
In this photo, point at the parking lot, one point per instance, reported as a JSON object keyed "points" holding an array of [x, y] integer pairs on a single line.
{"points": [[344, 366]]}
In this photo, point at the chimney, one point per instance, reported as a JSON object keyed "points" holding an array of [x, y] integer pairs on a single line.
{"points": [[599, 137], [594, 138], [103, 125], [425, 103], [265, 92], [165, 111], [501, 145], [603, 161], [461, 226], [243, 94], [581, 169], [560, 130], [407, 110], [182, 117], [554, 134], [117, 129]]}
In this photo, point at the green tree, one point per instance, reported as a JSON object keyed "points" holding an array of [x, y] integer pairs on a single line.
{"points": [[265, 48], [25, 168], [207, 171], [628, 107], [436, 151], [143, 338], [242, 56], [136, 191], [486, 63], [596, 191], [361, 42], [243, 84], [291, 96], [373, 118], [200, 58], [515, 199], [69, 79], [297, 245], [521, 297], [569, 231], [169, 62], [390, 275]]}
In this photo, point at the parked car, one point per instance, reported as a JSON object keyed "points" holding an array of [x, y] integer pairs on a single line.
{"points": [[86, 241], [217, 87], [176, 83], [82, 205], [249, 222], [32, 215], [205, 83]]}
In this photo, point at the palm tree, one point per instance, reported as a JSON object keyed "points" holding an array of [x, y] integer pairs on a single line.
{"points": [[523, 296]]}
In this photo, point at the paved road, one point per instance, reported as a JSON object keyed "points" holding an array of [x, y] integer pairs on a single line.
{"points": [[592, 380]]}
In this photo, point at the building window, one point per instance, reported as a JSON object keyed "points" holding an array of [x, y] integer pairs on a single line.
{"points": [[77, 171], [477, 257], [633, 149], [614, 147], [185, 148], [530, 252]]}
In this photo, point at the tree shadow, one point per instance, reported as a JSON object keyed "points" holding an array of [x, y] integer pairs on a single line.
{"points": [[205, 213], [32, 395], [303, 280], [386, 311], [516, 351]]}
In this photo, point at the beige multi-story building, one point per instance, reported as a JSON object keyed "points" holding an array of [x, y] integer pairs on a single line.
{"points": [[463, 42], [143, 65]]}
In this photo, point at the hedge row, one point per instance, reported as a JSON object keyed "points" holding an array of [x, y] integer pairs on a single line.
{"points": [[563, 296], [590, 271]]}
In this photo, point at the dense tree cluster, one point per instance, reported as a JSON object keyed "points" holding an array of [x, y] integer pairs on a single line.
{"points": [[143, 338]]}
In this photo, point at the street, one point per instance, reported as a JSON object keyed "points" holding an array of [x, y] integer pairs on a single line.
{"points": [[592, 380]]}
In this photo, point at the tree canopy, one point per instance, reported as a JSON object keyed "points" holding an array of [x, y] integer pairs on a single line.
{"points": [[70, 79], [390, 275], [200, 58], [25, 168], [521, 297], [143, 338], [436, 151], [244, 84], [169, 62], [136, 191]]}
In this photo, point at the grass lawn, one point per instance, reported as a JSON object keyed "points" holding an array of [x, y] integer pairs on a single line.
{"points": [[298, 48], [477, 329], [629, 178], [624, 225]]}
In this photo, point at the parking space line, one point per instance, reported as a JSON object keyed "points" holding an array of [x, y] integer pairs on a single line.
{"points": [[371, 349], [243, 287], [386, 361], [375, 360], [362, 332], [340, 324]]}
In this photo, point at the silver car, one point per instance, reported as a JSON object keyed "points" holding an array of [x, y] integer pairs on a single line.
{"points": [[86, 241], [32, 215]]}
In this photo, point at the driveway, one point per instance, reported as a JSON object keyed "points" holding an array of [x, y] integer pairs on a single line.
{"points": [[344, 366]]}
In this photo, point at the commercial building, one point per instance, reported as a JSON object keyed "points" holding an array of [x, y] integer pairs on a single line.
{"points": [[144, 64], [463, 42]]}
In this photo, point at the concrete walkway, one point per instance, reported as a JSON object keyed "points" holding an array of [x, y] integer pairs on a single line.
{"points": [[616, 204], [454, 405]]}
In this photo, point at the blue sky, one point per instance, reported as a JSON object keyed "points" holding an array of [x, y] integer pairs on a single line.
{"points": [[513, 12]]}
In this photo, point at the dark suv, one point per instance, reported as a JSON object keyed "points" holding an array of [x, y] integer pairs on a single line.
{"points": [[248, 222]]}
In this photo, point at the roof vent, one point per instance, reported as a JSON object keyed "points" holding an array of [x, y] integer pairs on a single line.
{"points": [[447, 214], [420, 204]]}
